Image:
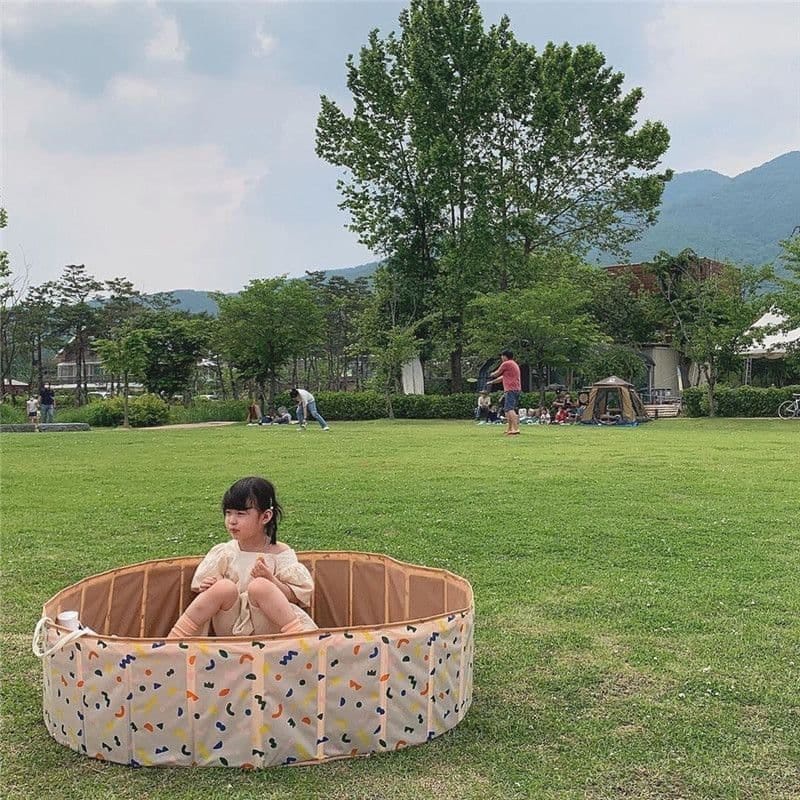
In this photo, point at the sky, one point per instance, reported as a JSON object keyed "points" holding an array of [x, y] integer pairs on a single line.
{"points": [[173, 143]]}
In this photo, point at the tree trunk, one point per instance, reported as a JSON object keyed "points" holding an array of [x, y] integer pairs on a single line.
{"points": [[273, 387], [220, 378], [710, 387], [456, 374], [125, 421], [540, 380], [39, 360]]}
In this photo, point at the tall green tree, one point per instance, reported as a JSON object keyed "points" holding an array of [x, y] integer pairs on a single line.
{"points": [[711, 311], [126, 356], [547, 326], [12, 290], [172, 343], [390, 340], [340, 301], [270, 324], [788, 299], [466, 151], [78, 318], [38, 327]]}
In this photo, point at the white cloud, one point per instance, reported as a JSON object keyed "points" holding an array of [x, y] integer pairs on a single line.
{"points": [[265, 43], [726, 76], [175, 212], [157, 215], [167, 43], [129, 89]]}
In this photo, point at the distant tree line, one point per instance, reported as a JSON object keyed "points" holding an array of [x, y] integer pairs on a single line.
{"points": [[572, 318], [482, 171]]}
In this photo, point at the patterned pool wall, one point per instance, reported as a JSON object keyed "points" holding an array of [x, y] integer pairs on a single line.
{"points": [[342, 691]]}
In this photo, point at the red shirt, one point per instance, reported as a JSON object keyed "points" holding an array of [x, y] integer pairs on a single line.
{"points": [[509, 372]]}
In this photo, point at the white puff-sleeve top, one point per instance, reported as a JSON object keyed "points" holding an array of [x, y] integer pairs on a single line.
{"points": [[226, 560]]}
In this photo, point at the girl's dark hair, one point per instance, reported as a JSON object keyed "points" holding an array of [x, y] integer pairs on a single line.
{"points": [[258, 493]]}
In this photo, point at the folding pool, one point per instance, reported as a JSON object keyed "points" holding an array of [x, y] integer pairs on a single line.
{"points": [[390, 666]]}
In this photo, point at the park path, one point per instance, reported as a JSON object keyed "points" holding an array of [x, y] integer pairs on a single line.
{"points": [[190, 425]]}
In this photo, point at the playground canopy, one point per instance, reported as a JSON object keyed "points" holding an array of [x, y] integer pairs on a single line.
{"points": [[613, 401], [777, 338]]}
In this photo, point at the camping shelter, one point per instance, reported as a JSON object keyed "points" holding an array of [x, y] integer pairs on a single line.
{"points": [[613, 401], [772, 339]]}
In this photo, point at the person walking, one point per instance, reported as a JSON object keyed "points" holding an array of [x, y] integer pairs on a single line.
{"points": [[307, 405], [508, 373]]}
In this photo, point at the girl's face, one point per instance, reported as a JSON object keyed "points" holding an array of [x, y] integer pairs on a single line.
{"points": [[247, 526]]}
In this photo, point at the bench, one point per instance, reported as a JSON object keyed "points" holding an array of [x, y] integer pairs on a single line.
{"points": [[660, 410]]}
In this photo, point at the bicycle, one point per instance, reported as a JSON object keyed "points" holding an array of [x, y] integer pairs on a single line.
{"points": [[790, 409]]}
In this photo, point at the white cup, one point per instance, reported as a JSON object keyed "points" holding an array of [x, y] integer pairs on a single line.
{"points": [[68, 620]]}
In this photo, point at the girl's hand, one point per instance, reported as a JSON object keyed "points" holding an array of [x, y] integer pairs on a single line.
{"points": [[261, 570], [207, 583]]}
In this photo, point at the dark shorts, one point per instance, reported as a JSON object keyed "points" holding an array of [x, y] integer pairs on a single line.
{"points": [[511, 401], [32, 415]]}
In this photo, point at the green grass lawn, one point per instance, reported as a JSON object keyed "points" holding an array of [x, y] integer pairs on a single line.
{"points": [[637, 594]]}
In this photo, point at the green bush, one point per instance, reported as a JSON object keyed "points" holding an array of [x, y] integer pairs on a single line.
{"points": [[209, 411], [11, 414], [65, 400], [344, 405], [146, 411], [743, 401], [98, 413]]}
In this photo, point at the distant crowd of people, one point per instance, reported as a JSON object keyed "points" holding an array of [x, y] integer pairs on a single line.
{"points": [[563, 411]]}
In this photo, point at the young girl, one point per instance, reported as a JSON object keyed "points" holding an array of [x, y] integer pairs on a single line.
{"points": [[252, 584]]}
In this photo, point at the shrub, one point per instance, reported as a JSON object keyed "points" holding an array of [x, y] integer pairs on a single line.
{"points": [[743, 401], [209, 411], [344, 405], [98, 413], [146, 411], [65, 400], [11, 414]]}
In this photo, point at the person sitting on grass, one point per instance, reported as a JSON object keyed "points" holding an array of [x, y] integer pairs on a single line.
{"points": [[482, 409], [253, 413]]}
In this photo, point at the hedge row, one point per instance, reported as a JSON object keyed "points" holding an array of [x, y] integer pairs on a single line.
{"points": [[373, 405], [743, 401], [147, 410]]}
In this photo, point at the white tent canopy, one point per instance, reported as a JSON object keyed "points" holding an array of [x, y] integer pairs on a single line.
{"points": [[777, 341]]}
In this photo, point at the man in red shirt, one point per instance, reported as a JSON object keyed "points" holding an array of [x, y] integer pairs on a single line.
{"points": [[508, 373]]}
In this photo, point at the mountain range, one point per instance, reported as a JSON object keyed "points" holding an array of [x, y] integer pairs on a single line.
{"points": [[741, 220]]}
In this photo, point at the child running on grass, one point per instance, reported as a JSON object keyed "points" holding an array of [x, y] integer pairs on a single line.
{"points": [[253, 584]]}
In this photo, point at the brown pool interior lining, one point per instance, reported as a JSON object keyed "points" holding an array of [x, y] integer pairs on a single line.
{"points": [[351, 589]]}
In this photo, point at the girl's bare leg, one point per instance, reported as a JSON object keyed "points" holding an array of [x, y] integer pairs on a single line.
{"points": [[219, 597], [271, 602]]}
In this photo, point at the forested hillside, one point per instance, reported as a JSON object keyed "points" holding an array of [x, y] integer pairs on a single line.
{"points": [[739, 219]]}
